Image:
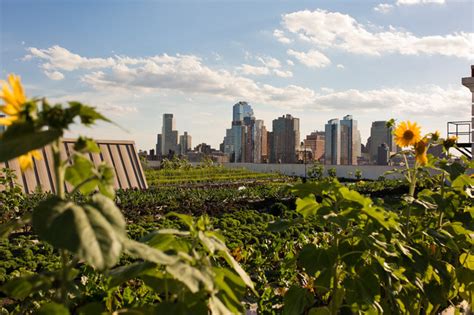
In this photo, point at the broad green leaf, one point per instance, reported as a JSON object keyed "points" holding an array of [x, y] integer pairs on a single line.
{"points": [[187, 219], [314, 259], [297, 300], [354, 196], [232, 289], [53, 309], [145, 252], [93, 308], [86, 145], [81, 170], [191, 276], [123, 273], [467, 260], [240, 271], [217, 307], [307, 206], [93, 232], [383, 217], [23, 143]]}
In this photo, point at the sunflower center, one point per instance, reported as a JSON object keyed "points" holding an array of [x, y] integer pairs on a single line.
{"points": [[408, 135]]}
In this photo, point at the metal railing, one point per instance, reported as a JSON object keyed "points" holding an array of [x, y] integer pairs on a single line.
{"points": [[462, 130]]}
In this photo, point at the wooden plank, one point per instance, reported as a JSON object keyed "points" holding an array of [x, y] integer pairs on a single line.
{"points": [[96, 158], [119, 169], [29, 178], [138, 166], [42, 171], [49, 162], [108, 159], [63, 150], [129, 169], [14, 165]]}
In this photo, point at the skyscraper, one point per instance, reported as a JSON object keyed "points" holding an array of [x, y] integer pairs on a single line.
{"points": [[286, 139], [343, 143], [381, 134], [332, 144], [243, 141], [350, 141], [169, 136], [184, 143]]}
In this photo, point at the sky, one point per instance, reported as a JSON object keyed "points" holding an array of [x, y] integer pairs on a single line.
{"points": [[316, 60]]}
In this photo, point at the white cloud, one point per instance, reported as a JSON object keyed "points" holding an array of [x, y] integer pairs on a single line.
{"points": [[59, 58], [269, 61], [282, 73], [188, 75], [412, 2], [383, 8], [290, 62], [312, 58], [180, 73], [253, 70], [423, 101], [336, 30], [54, 75], [280, 36], [340, 66]]}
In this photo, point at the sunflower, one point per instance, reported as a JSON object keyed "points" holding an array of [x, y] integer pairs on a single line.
{"points": [[14, 99], [450, 142], [421, 148], [407, 134], [26, 160]]}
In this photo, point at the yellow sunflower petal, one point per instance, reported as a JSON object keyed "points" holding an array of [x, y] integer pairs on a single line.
{"points": [[7, 121], [36, 154], [15, 83], [8, 97], [9, 109], [26, 161]]}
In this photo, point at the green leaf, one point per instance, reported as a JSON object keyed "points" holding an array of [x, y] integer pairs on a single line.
{"points": [[53, 309], [93, 308], [354, 196], [297, 300], [314, 259], [23, 143], [386, 219], [307, 206], [87, 113], [186, 219], [121, 274], [94, 232], [86, 145], [145, 252], [191, 276], [232, 289], [81, 170], [467, 260]]}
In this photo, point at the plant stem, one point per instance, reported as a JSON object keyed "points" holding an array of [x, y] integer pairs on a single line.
{"points": [[440, 219], [60, 192]]}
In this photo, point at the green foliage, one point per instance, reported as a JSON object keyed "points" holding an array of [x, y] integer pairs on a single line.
{"points": [[332, 172], [316, 171]]}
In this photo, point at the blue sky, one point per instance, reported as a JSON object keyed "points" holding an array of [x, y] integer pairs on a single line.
{"points": [[316, 60]]}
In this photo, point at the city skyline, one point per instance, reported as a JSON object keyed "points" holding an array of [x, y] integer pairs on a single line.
{"points": [[282, 57]]}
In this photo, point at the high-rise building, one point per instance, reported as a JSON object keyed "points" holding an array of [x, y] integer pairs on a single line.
{"points": [[184, 143], [159, 144], [243, 141], [315, 141], [342, 143], [383, 154], [169, 135], [286, 139], [381, 134], [332, 144]]}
